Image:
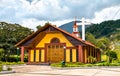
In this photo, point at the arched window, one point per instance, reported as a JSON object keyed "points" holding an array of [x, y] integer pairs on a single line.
{"points": [[55, 40]]}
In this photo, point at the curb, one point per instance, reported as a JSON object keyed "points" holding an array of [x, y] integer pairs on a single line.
{"points": [[7, 72], [92, 67]]}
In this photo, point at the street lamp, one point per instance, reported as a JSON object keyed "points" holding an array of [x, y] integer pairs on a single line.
{"points": [[64, 52], [63, 62], [64, 47]]}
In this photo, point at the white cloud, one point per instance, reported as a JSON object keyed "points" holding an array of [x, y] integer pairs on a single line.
{"points": [[47, 10], [111, 13], [31, 13], [33, 23]]}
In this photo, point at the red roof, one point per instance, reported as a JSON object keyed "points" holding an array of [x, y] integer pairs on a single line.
{"points": [[47, 25]]}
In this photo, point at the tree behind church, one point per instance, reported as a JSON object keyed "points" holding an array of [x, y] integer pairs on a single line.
{"points": [[10, 34]]}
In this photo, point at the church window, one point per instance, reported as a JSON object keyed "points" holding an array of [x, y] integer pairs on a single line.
{"points": [[55, 40], [48, 46]]}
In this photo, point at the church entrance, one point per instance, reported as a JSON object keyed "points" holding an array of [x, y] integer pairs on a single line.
{"points": [[55, 53]]}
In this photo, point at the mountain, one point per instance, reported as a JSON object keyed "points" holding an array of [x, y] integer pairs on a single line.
{"points": [[106, 31], [69, 26], [106, 28]]}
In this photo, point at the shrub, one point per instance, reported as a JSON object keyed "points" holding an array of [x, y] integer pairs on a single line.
{"points": [[12, 58], [56, 64], [112, 55], [9, 68], [20, 62], [0, 68], [92, 59]]}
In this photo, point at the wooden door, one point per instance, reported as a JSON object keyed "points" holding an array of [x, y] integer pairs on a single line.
{"points": [[55, 53]]}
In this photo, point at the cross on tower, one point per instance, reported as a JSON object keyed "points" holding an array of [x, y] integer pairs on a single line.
{"points": [[83, 23]]}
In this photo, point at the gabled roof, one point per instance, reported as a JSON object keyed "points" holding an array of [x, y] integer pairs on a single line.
{"points": [[32, 36]]}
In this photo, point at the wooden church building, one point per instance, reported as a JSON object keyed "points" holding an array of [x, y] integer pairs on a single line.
{"points": [[51, 44]]}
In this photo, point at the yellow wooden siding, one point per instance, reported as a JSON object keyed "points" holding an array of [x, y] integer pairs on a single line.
{"points": [[32, 55], [42, 55], [37, 56], [73, 55], [49, 36], [67, 55]]}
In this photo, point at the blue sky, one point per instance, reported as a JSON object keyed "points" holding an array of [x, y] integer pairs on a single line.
{"points": [[31, 13]]}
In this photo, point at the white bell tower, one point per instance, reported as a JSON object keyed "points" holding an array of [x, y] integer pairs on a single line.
{"points": [[75, 29]]}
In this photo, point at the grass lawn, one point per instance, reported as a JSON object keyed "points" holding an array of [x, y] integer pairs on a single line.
{"points": [[85, 65], [103, 62]]}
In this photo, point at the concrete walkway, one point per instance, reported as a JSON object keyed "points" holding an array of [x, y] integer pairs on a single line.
{"points": [[41, 70]]}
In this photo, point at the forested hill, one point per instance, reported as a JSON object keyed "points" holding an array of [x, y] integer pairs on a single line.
{"points": [[69, 26], [105, 36], [10, 34], [106, 28]]}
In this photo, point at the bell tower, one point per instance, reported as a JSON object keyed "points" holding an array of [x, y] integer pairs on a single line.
{"points": [[75, 29]]}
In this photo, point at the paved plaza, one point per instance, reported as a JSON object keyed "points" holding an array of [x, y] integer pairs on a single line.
{"points": [[44, 70]]}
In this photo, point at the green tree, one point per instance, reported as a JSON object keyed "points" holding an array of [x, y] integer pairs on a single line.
{"points": [[103, 43], [90, 38], [1, 54], [112, 55], [105, 28], [10, 34], [38, 27]]}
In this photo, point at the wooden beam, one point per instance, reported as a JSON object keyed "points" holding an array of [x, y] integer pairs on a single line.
{"points": [[22, 54], [80, 53]]}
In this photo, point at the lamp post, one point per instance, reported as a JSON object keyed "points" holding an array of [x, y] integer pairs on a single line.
{"points": [[17, 53], [64, 53], [63, 62]]}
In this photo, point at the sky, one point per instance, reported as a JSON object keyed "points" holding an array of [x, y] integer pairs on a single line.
{"points": [[31, 13]]}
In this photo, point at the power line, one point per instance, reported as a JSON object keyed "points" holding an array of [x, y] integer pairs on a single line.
{"points": [[116, 13]]}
